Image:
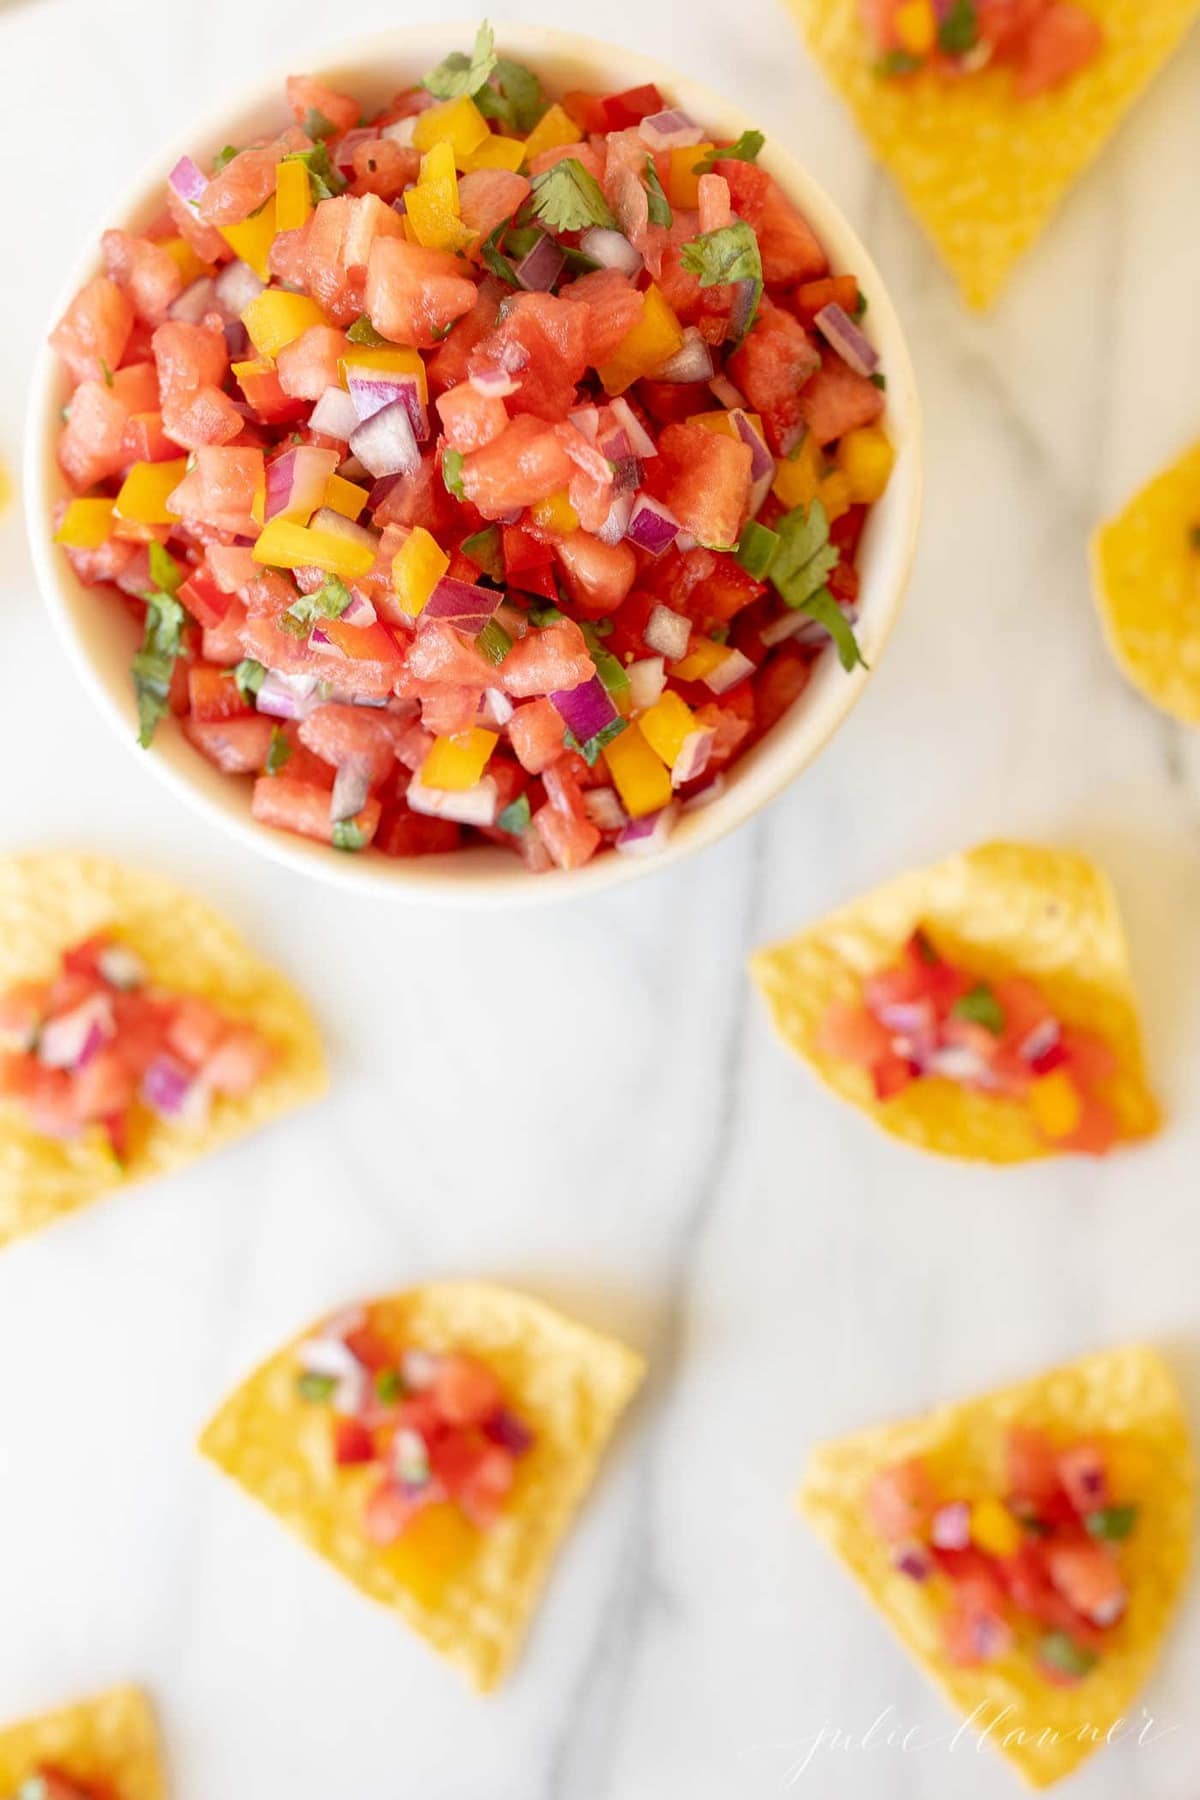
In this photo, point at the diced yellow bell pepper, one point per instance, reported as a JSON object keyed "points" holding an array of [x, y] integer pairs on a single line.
{"points": [[642, 778], [666, 724], [994, 1529], [834, 495], [1055, 1104], [555, 513], [798, 477], [417, 567], [276, 318], [251, 238], [431, 207], [435, 1545], [555, 127], [86, 524], [722, 423], [293, 196], [703, 657], [283, 544], [394, 360], [457, 763], [652, 342], [495, 153], [345, 497], [458, 123], [866, 459], [145, 490], [190, 266], [683, 183], [915, 25]]}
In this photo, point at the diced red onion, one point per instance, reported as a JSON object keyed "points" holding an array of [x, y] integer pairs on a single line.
{"points": [[652, 527], [334, 415], [732, 668], [495, 710], [296, 481], [742, 310], [506, 1428], [513, 620], [586, 420], [174, 1092], [351, 786], [540, 268], [237, 345], [642, 837], [647, 679], [121, 968], [359, 611], [640, 442], [958, 1062], [914, 1561], [991, 1634], [613, 444], [603, 807], [286, 696], [372, 393], [586, 709], [692, 760], [790, 625], [197, 300], [611, 249], [461, 604], [71, 1040], [1110, 1609], [236, 286], [1041, 1040], [668, 632], [722, 389], [476, 805], [950, 1528], [671, 129], [627, 475], [341, 697], [616, 524], [853, 346], [319, 639], [494, 383], [761, 461], [419, 1369], [187, 180], [333, 1360], [385, 444], [693, 360]]}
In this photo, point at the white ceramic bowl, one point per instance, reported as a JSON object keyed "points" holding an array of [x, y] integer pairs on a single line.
{"points": [[101, 646]]}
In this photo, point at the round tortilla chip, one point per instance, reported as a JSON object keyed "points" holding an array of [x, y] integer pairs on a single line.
{"points": [[982, 171], [1126, 1396], [1001, 909], [48, 903], [569, 1384], [111, 1740], [1146, 577]]}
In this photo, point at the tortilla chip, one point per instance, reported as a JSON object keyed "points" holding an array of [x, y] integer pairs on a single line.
{"points": [[569, 1384], [1002, 909], [983, 171], [48, 903], [111, 1740], [1128, 1393], [1146, 575]]}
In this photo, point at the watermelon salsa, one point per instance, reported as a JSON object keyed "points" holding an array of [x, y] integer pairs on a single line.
{"points": [[924, 1018], [492, 469], [434, 1431], [1036, 1574], [1043, 42], [85, 1051]]}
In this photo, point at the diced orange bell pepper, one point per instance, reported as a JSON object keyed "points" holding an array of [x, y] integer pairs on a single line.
{"points": [[642, 778], [683, 183], [798, 477], [345, 497], [652, 342], [866, 459], [417, 567], [555, 513], [190, 266], [458, 123], [554, 128], [145, 490], [276, 318], [1055, 1103], [456, 763], [702, 658]]}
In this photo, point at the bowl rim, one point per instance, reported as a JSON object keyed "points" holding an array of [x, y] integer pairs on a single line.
{"points": [[486, 877]]}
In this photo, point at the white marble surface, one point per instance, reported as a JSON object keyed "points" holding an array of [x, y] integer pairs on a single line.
{"points": [[663, 1168]]}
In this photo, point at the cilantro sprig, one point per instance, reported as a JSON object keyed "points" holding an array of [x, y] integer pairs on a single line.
{"points": [[154, 664], [799, 568], [728, 255], [568, 198], [980, 1007], [328, 602], [746, 149], [512, 96], [452, 466], [248, 676], [461, 74], [325, 181]]}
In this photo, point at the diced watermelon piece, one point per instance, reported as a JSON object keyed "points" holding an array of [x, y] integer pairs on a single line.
{"points": [[92, 334], [384, 167], [238, 746], [405, 833], [836, 399], [470, 420], [850, 1032], [597, 576], [214, 694], [901, 1501], [779, 684], [542, 342], [775, 363], [414, 294], [489, 197], [204, 239], [1032, 1464], [318, 108], [220, 489], [448, 365], [248, 180], [340, 734], [614, 308], [440, 656], [148, 273], [704, 478], [548, 661], [790, 249], [1062, 39], [526, 463], [630, 106], [290, 805], [571, 842], [535, 732]]}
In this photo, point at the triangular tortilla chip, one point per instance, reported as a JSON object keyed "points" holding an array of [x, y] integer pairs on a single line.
{"points": [[48, 903], [983, 171], [1126, 1396], [111, 1740], [568, 1383], [1002, 909], [1146, 575]]}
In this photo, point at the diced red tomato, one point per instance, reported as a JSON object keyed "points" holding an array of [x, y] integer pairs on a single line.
{"points": [[630, 106], [352, 1443], [1062, 39], [779, 684], [901, 1500]]}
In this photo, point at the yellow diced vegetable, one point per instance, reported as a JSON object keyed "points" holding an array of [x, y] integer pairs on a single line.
{"points": [[495, 153], [276, 318], [703, 657], [293, 197], [1055, 1104], [435, 1545], [916, 26], [722, 423], [457, 763], [345, 497], [652, 342], [642, 778], [666, 724], [190, 266], [555, 127], [683, 183], [394, 360], [282, 544], [555, 513], [145, 491], [994, 1529], [458, 123], [251, 238], [86, 524], [432, 206], [798, 477], [417, 567], [834, 495], [866, 459]]}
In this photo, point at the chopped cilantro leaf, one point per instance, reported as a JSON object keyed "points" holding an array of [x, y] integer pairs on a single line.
{"points": [[897, 62], [1059, 1651], [756, 548], [660, 206], [730, 254], [462, 74], [611, 672], [388, 1386], [590, 751], [315, 1387], [567, 198], [1112, 1523], [860, 305], [878, 380], [249, 677], [959, 30], [324, 180], [493, 643], [329, 602], [803, 560], [515, 817], [452, 462], [745, 150], [317, 124], [542, 616], [495, 259], [822, 607], [363, 332], [165, 572], [154, 664], [513, 96], [485, 551], [227, 155], [278, 751], [348, 834], [981, 1007]]}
